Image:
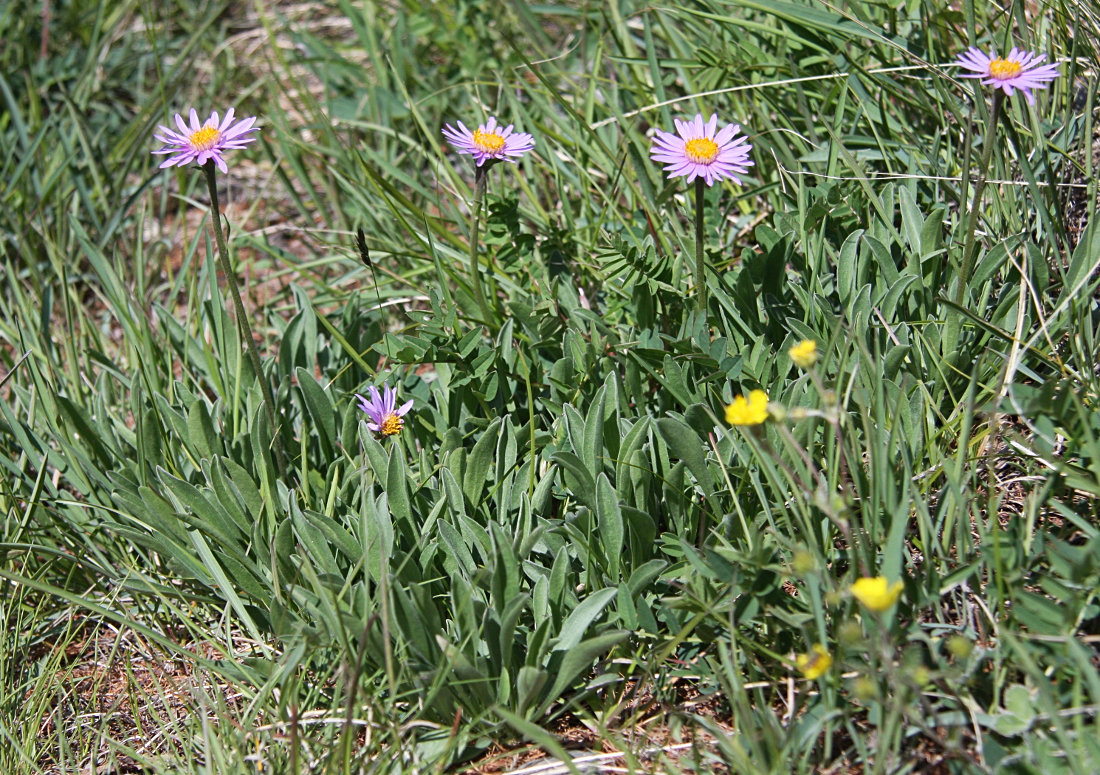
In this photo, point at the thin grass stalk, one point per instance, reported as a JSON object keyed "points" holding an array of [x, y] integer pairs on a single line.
{"points": [[242, 318]]}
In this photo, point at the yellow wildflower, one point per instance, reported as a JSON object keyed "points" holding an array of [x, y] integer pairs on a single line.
{"points": [[748, 411], [876, 594], [815, 664], [804, 354]]}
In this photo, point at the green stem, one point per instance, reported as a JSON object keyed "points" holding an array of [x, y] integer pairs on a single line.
{"points": [[976, 200], [242, 318], [480, 178], [700, 261]]}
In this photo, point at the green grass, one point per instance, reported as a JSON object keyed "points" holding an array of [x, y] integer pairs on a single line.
{"points": [[566, 535]]}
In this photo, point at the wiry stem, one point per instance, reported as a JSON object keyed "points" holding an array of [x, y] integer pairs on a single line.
{"points": [[954, 323], [976, 200], [242, 318], [700, 260], [475, 269]]}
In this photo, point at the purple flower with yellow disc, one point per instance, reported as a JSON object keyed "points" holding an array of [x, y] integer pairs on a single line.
{"points": [[201, 143], [489, 142], [700, 150], [383, 416], [1016, 70]]}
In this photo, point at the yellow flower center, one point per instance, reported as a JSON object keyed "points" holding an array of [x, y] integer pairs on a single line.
{"points": [[204, 139], [391, 426], [1003, 69], [490, 142], [701, 150]]}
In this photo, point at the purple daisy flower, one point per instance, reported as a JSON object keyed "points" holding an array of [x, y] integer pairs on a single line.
{"points": [[701, 151], [1018, 70], [489, 142], [202, 142], [383, 418]]}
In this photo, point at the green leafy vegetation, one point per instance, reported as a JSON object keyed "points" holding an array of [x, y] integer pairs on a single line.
{"points": [[566, 544]]}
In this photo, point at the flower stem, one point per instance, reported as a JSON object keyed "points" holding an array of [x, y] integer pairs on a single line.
{"points": [[480, 178], [970, 246], [700, 261], [242, 318]]}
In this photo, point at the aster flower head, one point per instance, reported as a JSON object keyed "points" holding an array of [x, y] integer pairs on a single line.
{"points": [[200, 143], [383, 418], [700, 150], [748, 411], [1016, 70], [490, 142]]}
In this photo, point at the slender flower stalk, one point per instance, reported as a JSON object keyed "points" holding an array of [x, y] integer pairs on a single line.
{"points": [[700, 252], [205, 144], [489, 144], [242, 318], [480, 178], [1020, 71], [702, 153], [976, 200]]}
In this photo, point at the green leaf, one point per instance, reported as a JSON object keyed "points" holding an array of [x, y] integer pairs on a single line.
{"points": [[592, 444], [609, 518], [397, 486], [479, 462], [573, 628], [685, 444], [579, 658], [320, 409], [577, 477], [456, 550], [200, 431]]}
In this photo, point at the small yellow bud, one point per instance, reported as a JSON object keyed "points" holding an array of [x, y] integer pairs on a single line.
{"points": [[815, 664], [803, 563], [850, 633], [864, 688], [960, 647]]}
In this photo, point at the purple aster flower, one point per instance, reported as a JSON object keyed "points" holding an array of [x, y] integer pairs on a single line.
{"points": [[489, 142], [700, 151], [383, 418], [202, 142], [1018, 70]]}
